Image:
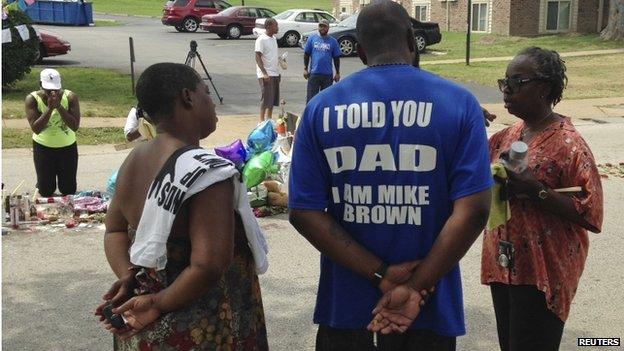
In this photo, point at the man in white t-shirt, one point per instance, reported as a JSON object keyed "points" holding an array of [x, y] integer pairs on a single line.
{"points": [[131, 129], [267, 68]]}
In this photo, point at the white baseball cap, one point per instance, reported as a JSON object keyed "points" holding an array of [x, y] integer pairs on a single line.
{"points": [[50, 79]]}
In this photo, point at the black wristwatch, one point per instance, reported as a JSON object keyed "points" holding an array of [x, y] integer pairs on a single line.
{"points": [[379, 274]]}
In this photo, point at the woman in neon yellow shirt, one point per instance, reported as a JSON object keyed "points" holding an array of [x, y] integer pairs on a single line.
{"points": [[54, 117]]}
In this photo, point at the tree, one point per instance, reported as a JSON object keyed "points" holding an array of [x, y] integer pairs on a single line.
{"points": [[18, 55], [615, 27]]}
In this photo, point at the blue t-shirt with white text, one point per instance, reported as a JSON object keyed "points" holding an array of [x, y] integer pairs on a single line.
{"points": [[386, 152], [322, 51]]}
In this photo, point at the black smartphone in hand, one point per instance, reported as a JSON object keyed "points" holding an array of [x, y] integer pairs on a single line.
{"points": [[116, 320]]}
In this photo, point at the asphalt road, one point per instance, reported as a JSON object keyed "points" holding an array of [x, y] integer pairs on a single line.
{"points": [[52, 279], [230, 63]]}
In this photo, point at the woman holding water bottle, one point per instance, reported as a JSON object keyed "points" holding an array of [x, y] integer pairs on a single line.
{"points": [[533, 263]]}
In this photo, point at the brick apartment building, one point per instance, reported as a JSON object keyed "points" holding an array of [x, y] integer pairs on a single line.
{"points": [[507, 17]]}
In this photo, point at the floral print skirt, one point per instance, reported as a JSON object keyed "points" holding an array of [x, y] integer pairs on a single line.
{"points": [[228, 317]]}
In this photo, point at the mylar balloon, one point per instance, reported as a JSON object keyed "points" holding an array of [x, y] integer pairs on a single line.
{"points": [[234, 152], [258, 168], [261, 138]]}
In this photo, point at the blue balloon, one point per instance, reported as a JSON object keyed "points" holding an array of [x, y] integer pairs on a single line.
{"points": [[261, 138]]}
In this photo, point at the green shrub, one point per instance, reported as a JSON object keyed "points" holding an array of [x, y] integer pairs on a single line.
{"points": [[18, 55]]}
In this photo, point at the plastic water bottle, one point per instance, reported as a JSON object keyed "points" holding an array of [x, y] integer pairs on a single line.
{"points": [[516, 160]]}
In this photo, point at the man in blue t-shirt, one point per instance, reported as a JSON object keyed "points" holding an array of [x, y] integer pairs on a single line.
{"points": [[390, 180], [320, 50]]}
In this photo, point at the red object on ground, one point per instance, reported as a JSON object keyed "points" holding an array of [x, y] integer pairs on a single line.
{"points": [[49, 200], [70, 223], [281, 128]]}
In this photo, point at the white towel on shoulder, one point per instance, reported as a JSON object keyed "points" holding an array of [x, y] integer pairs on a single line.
{"points": [[187, 172]]}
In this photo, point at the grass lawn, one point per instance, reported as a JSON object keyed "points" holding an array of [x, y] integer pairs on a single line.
{"points": [[22, 138], [106, 23], [588, 77], [154, 7], [102, 93], [453, 45]]}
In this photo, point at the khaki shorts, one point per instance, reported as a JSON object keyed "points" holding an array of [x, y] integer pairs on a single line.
{"points": [[270, 91]]}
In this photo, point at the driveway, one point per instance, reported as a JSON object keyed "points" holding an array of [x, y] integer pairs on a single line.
{"points": [[230, 63]]}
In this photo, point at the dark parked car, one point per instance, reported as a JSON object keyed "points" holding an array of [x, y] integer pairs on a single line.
{"points": [[185, 15], [234, 21], [425, 34], [51, 45]]}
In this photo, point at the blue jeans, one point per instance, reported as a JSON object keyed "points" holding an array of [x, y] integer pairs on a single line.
{"points": [[316, 83]]}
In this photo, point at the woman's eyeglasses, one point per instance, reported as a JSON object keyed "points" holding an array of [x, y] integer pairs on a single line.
{"points": [[514, 83]]}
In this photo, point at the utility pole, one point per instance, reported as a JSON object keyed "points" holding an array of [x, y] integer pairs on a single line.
{"points": [[468, 29], [448, 16], [132, 60]]}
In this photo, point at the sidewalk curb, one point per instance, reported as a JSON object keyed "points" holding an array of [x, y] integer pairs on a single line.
{"points": [[119, 122], [509, 58]]}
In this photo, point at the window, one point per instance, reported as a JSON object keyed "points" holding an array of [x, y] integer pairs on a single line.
{"points": [[180, 3], [205, 3], [349, 22], [479, 21], [558, 15], [343, 9], [326, 16], [229, 11], [306, 17], [247, 13], [421, 13], [283, 15], [222, 5], [266, 13]]}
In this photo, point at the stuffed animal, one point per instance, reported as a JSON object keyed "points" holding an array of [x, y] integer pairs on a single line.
{"points": [[275, 197]]}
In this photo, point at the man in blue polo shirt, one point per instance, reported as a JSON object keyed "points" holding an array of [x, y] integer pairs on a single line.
{"points": [[320, 50], [390, 181]]}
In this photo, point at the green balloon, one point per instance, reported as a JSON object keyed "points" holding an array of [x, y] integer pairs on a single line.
{"points": [[258, 168]]}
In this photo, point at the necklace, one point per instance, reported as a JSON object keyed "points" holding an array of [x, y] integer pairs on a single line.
{"points": [[524, 131], [389, 64]]}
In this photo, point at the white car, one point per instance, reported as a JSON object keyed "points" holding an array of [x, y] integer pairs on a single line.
{"points": [[293, 23]]}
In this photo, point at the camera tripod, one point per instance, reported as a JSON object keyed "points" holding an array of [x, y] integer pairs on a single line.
{"points": [[190, 61]]}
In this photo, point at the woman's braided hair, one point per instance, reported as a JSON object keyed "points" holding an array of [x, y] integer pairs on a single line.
{"points": [[550, 68]]}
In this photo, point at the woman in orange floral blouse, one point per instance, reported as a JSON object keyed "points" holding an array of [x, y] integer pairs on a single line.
{"points": [[548, 230]]}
